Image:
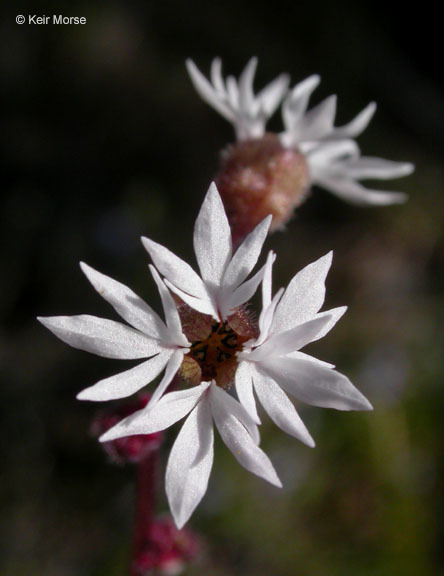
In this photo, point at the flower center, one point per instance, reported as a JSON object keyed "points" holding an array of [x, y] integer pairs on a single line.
{"points": [[216, 354]]}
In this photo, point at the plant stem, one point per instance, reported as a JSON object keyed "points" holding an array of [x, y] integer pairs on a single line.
{"points": [[144, 509]]}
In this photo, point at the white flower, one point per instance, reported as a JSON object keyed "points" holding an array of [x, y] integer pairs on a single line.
{"points": [[146, 337], [236, 100], [332, 156], [222, 287], [191, 457], [273, 362]]}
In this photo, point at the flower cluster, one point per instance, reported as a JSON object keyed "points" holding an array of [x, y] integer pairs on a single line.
{"points": [[276, 170], [212, 345]]}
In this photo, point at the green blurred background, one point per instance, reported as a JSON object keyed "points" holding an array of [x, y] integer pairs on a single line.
{"points": [[104, 139]]}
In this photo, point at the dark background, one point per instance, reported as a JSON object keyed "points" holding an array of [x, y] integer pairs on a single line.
{"points": [[104, 139]]}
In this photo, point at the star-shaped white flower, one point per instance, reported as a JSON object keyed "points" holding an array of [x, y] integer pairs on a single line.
{"points": [[274, 365], [191, 457], [332, 156], [222, 286], [147, 336], [236, 101]]}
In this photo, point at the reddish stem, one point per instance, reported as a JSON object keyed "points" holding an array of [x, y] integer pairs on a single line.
{"points": [[145, 502]]}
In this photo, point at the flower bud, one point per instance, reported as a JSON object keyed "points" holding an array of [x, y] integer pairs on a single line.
{"points": [[167, 549], [132, 449], [260, 177]]}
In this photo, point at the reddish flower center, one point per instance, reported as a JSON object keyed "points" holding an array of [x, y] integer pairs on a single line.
{"points": [[217, 353]]}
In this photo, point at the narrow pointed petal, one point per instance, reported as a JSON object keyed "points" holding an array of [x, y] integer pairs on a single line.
{"points": [[207, 92], [298, 355], [244, 389], [318, 122], [369, 167], [216, 75], [355, 193], [102, 337], [170, 409], [239, 441], [323, 157], [170, 310], [125, 302], [296, 103], [227, 403], [266, 317], [282, 343], [212, 238], [173, 366], [268, 304], [304, 296], [246, 256], [358, 124], [190, 463], [271, 96], [233, 97], [315, 385], [126, 383], [204, 305], [267, 280], [280, 409], [246, 94], [333, 315], [231, 301], [175, 269]]}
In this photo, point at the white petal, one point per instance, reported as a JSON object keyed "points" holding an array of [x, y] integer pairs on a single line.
{"points": [[267, 280], [171, 408], [212, 239], [126, 303], [216, 75], [190, 463], [368, 167], [282, 343], [102, 337], [233, 96], [322, 157], [244, 389], [204, 305], [126, 383], [207, 92], [296, 103], [271, 96], [303, 297], [172, 367], [315, 385], [280, 409], [266, 317], [355, 193], [175, 270], [358, 124], [246, 256], [246, 94], [227, 403], [334, 315], [175, 336], [298, 355], [240, 442], [318, 122], [231, 301]]}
